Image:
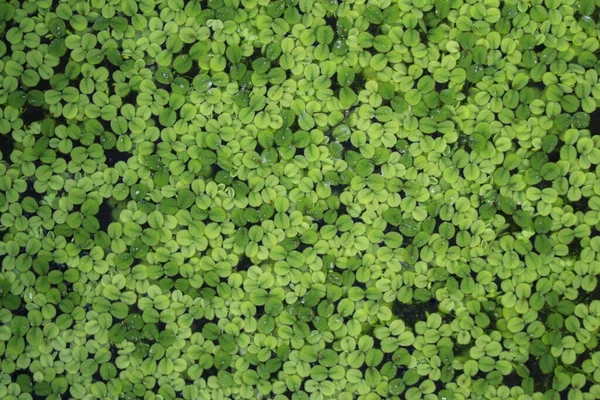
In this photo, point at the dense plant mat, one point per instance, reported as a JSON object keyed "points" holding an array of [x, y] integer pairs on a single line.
{"points": [[299, 199]]}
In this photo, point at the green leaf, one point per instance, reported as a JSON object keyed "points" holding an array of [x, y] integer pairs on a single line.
{"points": [[347, 97], [550, 171], [328, 357], [442, 8], [57, 27], [409, 227]]}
